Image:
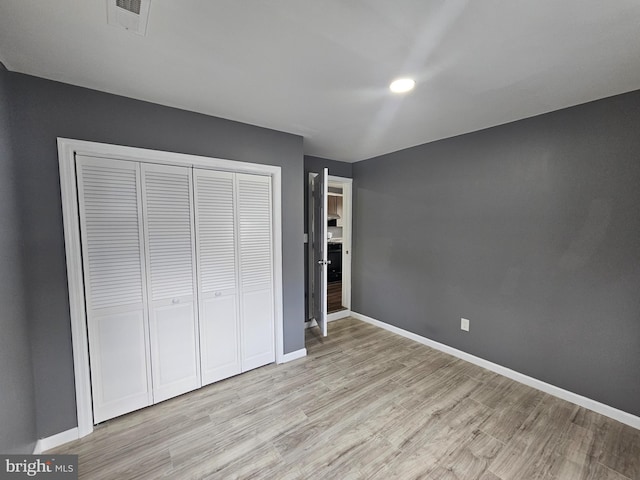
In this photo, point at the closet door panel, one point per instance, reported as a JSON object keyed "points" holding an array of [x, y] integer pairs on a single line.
{"points": [[219, 332], [114, 271], [256, 269], [257, 329], [168, 215], [173, 339], [119, 361], [217, 274]]}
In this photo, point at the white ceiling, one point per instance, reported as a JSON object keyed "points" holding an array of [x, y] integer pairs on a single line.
{"points": [[321, 68]]}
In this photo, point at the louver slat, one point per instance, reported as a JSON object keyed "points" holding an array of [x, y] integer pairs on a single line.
{"points": [[254, 214], [109, 199], [216, 234], [168, 212]]}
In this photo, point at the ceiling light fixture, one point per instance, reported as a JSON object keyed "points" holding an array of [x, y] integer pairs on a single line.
{"points": [[402, 85]]}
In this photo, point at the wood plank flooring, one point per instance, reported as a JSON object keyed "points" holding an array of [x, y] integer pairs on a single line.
{"points": [[364, 404], [334, 297]]}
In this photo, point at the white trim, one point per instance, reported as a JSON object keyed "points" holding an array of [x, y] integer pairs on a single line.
{"points": [[333, 178], [56, 440], [276, 189], [295, 355], [75, 283], [67, 149], [347, 229], [338, 315], [311, 265], [120, 152], [593, 405], [332, 317]]}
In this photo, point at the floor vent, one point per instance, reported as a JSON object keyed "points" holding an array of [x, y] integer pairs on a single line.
{"points": [[130, 15]]}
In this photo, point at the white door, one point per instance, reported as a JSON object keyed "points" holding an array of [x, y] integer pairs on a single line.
{"points": [[319, 249], [216, 248], [170, 252], [253, 212], [114, 272]]}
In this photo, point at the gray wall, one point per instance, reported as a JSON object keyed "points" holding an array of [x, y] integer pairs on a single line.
{"points": [[46, 110], [316, 165], [17, 397], [531, 230], [336, 168]]}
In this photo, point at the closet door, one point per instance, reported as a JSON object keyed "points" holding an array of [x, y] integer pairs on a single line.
{"points": [[217, 274], [256, 269], [169, 232], [114, 273]]}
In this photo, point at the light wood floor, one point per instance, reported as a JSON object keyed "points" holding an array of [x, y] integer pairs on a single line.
{"points": [[367, 404]]}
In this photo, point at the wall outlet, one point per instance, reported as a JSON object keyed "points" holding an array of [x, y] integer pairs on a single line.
{"points": [[464, 324]]}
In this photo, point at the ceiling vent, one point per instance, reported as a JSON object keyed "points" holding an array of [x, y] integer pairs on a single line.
{"points": [[131, 15]]}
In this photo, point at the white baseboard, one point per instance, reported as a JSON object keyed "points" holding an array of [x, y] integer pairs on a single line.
{"points": [[291, 356], [332, 317], [601, 408], [56, 440], [338, 315]]}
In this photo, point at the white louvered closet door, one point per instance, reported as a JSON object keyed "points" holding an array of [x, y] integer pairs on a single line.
{"points": [[113, 262], [253, 214], [217, 274], [169, 232]]}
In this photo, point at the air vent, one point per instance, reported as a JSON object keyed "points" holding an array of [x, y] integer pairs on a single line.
{"points": [[130, 15], [132, 6]]}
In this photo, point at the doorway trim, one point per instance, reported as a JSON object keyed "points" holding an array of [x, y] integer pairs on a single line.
{"points": [[347, 236], [347, 241], [67, 150]]}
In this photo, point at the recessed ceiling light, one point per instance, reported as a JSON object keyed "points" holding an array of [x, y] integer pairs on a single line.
{"points": [[402, 85]]}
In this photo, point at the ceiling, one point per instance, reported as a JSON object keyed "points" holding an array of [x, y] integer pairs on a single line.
{"points": [[321, 68]]}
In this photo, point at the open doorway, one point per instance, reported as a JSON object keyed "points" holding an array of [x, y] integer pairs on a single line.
{"points": [[338, 255], [339, 247]]}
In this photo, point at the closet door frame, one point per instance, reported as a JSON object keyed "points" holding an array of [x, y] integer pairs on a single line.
{"points": [[67, 151]]}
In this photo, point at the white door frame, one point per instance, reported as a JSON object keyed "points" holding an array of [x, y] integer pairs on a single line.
{"points": [[347, 239], [347, 236], [67, 149], [347, 226]]}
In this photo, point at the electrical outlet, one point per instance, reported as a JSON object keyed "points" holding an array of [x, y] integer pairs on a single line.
{"points": [[464, 324]]}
